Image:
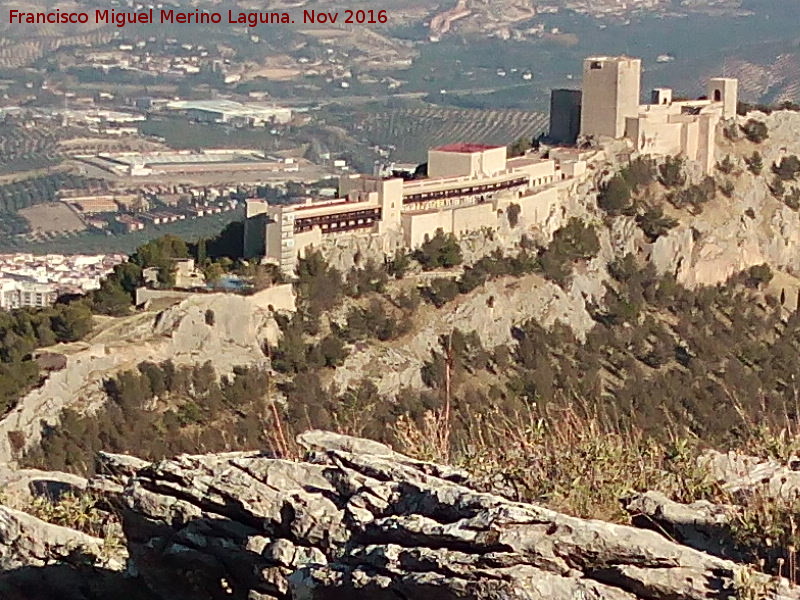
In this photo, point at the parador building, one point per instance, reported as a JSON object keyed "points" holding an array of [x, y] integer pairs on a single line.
{"points": [[471, 186]]}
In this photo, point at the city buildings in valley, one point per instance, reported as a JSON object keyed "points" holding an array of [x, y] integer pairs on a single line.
{"points": [[38, 280], [19, 294], [468, 188]]}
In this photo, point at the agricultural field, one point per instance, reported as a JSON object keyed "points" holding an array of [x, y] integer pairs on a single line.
{"points": [[411, 131], [52, 217], [182, 134], [21, 46], [27, 149], [12, 225], [16, 195], [90, 242]]}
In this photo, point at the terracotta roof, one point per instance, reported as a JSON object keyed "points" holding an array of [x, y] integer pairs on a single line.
{"points": [[466, 148]]}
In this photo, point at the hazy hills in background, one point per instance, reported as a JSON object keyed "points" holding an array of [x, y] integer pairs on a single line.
{"points": [[483, 50]]}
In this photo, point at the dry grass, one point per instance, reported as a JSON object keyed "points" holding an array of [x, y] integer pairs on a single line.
{"points": [[576, 463], [566, 461], [76, 511]]}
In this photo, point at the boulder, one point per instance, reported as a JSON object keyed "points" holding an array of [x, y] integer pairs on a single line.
{"points": [[739, 473], [701, 525], [25, 484], [355, 519], [27, 541]]}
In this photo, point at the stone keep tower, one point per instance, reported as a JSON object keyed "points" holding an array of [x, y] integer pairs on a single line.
{"points": [[611, 86], [725, 90]]}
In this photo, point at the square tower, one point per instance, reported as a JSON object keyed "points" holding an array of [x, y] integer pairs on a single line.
{"points": [[565, 116], [611, 87], [725, 90], [466, 160]]}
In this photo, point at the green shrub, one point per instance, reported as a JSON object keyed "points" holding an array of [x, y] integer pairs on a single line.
{"points": [[671, 173], [371, 322], [371, 278], [759, 275], [398, 266], [639, 173], [654, 223], [331, 352], [755, 164], [755, 131], [440, 251], [727, 189], [788, 168], [792, 199], [725, 165], [694, 196], [440, 291], [615, 196], [573, 242]]}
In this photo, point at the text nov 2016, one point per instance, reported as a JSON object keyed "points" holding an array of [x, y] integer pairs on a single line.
{"points": [[346, 17]]}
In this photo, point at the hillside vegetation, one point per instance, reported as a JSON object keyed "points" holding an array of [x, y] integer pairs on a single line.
{"points": [[569, 415]]}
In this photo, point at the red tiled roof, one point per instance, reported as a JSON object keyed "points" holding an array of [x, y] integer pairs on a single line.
{"points": [[466, 148]]}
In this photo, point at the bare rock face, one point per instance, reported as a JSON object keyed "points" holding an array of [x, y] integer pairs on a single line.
{"points": [[26, 484], [707, 526], [701, 525], [42, 561], [358, 520], [28, 541], [491, 311], [179, 333], [741, 473]]}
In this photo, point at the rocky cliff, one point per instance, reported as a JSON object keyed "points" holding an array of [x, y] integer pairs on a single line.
{"points": [[354, 519], [730, 234]]}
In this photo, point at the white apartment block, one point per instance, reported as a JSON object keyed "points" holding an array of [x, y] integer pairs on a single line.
{"points": [[19, 294]]}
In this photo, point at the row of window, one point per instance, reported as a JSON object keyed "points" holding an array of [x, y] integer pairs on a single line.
{"points": [[339, 221], [467, 191]]}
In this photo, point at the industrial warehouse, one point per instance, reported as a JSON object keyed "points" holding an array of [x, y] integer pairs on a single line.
{"points": [[232, 113], [137, 164]]}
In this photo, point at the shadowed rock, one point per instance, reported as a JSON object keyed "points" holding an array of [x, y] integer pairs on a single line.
{"points": [[358, 520]]}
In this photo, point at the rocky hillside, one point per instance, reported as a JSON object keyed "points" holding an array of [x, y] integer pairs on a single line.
{"points": [[180, 333], [741, 223], [354, 519], [631, 357]]}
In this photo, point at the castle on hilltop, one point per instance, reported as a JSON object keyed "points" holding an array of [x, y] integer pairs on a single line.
{"points": [[469, 187], [608, 106]]}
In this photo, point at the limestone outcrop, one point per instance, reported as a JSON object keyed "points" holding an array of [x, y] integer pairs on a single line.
{"points": [[707, 526], [358, 520], [739, 473], [178, 333], [25, 484], [701, 525], [28, 541]]}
